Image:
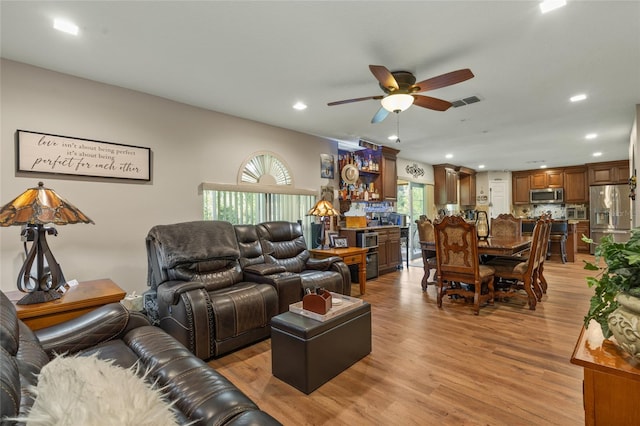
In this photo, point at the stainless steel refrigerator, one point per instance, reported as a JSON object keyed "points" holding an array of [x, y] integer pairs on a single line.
{"points": [[609, 212]]}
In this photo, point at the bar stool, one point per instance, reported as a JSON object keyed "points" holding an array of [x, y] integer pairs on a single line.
{"points": [[559, 232]]}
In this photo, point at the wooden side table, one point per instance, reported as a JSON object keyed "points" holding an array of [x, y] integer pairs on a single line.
{"points": [[350, 256], [78, 300], [611, 382]]}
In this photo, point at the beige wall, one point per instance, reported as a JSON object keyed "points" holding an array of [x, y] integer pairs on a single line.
{"points": [[189, 146]]}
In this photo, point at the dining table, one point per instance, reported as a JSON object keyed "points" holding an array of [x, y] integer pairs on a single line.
{"points": [[496, 246]]}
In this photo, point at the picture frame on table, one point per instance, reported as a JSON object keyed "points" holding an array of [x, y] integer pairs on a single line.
{"points": [[340, 242], [331, 235]]}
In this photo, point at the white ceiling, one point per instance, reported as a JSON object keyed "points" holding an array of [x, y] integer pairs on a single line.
{"points": [[256, 59]]}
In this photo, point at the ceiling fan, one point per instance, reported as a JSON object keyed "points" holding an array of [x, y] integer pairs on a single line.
{"points": [[401, 88]]}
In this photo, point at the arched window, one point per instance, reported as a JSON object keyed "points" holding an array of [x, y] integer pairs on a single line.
{"points": [[265, 169]]}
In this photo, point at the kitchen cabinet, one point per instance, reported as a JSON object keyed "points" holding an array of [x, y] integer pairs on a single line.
{"points": [[389, 255], [520, 187], [576, 188], [582, 228], [467, 181], [377, 175], [548, 178], [389, 174], [611, 172], [446, 184]]}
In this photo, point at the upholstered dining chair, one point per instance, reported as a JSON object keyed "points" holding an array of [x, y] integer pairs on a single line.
{"points": [[506, 225], [426, 235], [516, 276], [458, 267]]}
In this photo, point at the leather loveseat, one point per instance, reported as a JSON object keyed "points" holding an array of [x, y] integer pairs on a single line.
{"points": [[217, 287], [201, 395]]}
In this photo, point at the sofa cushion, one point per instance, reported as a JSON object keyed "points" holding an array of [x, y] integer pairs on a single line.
{"points": [[91, 391]]}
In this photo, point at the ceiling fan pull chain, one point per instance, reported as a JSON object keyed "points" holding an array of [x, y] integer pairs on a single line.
{"points": [[398, 126]]}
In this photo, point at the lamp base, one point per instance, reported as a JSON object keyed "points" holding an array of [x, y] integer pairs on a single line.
{"points": [[39, 296]]}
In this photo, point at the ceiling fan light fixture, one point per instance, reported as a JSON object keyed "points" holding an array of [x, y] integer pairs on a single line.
{"points": [[397, 102]]}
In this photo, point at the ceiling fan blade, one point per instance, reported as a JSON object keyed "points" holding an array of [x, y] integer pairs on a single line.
{"points": [[431, 103], [444, 80], [384, 76], [348, 101], [380, 115]]}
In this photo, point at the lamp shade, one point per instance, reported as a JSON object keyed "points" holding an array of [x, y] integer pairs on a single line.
{"points": [[323, 208], [39, 206], [397, 102]]}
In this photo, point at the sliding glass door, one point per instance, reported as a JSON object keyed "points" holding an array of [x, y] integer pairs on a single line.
{"points": [[412, 202]]}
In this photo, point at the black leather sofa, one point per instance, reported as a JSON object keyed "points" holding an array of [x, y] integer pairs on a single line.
{"points": [[217, 286], [201, 395]]}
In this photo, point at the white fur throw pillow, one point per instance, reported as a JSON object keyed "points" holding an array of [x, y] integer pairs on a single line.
{"points": [[80, 390]]}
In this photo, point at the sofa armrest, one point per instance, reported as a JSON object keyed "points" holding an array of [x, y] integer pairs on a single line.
{"points": [[105, 323], [169, 292], [288, 285], [343, 270], [322, 264], [264, 269]]}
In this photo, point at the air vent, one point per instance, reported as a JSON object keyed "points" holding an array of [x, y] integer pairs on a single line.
{"points": [[465, 101]]}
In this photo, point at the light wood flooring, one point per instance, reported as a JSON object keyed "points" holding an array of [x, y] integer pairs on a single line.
{"points": [[431, 366]]}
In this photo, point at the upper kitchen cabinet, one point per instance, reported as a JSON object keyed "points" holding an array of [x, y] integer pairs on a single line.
{"points": [[389, 174], [520, 187], [446, 184], [576, 188], [548, 178], [611, 172], [467, 179]]}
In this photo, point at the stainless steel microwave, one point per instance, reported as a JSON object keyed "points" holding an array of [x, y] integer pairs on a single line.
{"points": [[546, 196]]}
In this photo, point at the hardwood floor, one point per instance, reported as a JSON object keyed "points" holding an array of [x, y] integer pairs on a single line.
{"points": [[431, 366]]}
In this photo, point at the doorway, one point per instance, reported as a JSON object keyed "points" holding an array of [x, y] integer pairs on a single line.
{"points": [[498, 198], [412, 202]]}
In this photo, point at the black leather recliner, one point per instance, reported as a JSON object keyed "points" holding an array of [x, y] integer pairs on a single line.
{"points": [[283, 244], [202, 298], [201, 395]]}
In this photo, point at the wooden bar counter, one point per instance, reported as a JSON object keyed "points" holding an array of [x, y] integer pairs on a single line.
{"points": [[611, 387]]}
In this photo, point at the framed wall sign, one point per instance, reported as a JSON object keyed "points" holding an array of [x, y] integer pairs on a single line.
{"points": [[66, 155], [326, 166]]}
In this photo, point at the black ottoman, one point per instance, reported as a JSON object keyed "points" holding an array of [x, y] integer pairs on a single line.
{"points": [[306, 353]]}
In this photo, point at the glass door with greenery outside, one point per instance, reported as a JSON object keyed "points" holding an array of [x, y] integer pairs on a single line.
{"points": [[411, 202]]}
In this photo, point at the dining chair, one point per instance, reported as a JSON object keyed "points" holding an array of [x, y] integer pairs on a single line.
{"points": [[459, 272], [543, 256], [506, 225], [426, 235], [517, 276]]}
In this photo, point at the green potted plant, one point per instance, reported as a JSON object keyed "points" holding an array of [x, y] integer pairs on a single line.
{"points": [[615, 304]]}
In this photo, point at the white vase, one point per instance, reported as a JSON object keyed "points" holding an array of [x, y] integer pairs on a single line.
{"points": [[624, 323]]}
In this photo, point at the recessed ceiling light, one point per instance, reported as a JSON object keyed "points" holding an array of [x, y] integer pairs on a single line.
{"points": [[299, 106], [392, 137], [591, 136], [578, 98], [481, 166], [449, 156], [65, 26], [544, 166], [597, 154], [549, 5]]}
